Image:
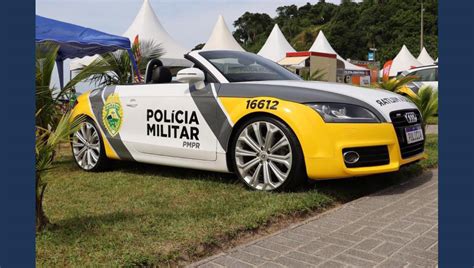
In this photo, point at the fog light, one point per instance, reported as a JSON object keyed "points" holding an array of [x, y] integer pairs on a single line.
{"points": [[351, 157]]}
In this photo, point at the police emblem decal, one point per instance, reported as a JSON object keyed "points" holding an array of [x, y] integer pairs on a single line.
{"points": [[112, 114]]}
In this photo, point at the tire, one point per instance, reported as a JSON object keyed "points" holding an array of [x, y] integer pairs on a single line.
{"points": [[88, 139], [274, 166]]}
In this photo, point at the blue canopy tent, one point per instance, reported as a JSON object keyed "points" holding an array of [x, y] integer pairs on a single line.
{"points": [[76, 41]]}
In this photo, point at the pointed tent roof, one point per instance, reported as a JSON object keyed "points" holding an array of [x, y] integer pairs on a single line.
{"points": [[148, 27], [322, 45], [221, 38], [276, 46], [425, 58], [403, 61]]}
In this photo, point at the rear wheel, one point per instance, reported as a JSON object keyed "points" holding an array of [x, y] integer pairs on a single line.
{"points": [[88, 148], [267, 156]]}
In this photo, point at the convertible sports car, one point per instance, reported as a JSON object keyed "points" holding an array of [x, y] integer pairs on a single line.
{"points": [[238, 112]]}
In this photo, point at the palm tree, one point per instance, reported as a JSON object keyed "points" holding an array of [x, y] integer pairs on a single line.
{"points": [[316, 75], [47, 141], [51, 127], [396, 83], [47, 97], [427, 102], [114, 68], [426, 99]]}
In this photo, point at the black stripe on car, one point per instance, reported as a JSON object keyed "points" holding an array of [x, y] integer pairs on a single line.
{"points": [[291, 93], [213, 114]]}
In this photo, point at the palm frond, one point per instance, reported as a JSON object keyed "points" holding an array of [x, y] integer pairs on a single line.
{"points": [[149, 50], [47, 140], [427, 102], [45, 60], [115, 68], [46, 96], [316, 75], [396, 83]]}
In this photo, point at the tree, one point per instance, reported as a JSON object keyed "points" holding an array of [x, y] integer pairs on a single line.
{"points": [[343, 32], [426, 99], [427, 102], [47, 97], [115, 68], [252, 28], [51, 127], [353, 27], [47, 141]]}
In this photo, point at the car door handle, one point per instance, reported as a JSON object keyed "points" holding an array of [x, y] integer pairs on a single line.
{"points": [[132, 103]]}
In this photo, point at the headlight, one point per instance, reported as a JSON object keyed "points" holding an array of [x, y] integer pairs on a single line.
{"points": [[344, 113]]}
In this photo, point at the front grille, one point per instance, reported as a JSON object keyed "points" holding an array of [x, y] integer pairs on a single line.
{"points": [[369, 156], [400, 123]]}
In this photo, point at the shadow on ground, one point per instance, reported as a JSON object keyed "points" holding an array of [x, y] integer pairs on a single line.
{"points": [[408, 184], [342, 190], [172, 172], [79, 227]]}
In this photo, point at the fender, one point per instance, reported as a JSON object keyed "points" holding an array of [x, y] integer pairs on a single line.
{"points": [[83, 107], [302, 119]]}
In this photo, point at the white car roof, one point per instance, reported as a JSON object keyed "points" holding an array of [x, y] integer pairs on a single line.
{"points": [[419, 68]]}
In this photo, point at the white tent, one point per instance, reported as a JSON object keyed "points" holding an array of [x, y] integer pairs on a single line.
{"points": [[322, 45], [425, 58], [403, 61], [276, 46], [75, 64], [148, 27], [221, 38]]}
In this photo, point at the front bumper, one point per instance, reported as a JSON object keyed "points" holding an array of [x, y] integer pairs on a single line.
{"points": [[328, 162]]}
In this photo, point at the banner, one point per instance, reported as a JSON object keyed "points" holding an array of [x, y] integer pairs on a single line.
{"points": [[371, 56], [386, 70]]}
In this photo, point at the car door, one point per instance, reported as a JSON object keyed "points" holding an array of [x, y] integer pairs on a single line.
{"points": [[167, 120]]}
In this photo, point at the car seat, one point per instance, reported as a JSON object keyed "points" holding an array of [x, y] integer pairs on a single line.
{"points": [[156, 73]]}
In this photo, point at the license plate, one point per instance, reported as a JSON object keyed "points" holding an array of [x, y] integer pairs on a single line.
{"points": [[414, 134]]}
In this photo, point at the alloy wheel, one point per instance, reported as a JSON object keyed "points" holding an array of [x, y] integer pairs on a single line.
{"points": [[86, 146], [263, 155]]}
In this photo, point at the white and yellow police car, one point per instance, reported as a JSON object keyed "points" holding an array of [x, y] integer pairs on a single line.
{"points": [[238, 112]]}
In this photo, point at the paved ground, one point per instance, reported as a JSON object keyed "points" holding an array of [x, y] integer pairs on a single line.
{"points": [[432, 129], [397, 227]]}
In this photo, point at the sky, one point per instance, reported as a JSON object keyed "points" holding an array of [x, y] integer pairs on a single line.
{"points": [[177, 16], [190, 22]]}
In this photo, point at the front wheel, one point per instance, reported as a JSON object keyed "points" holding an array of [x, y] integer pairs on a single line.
{"points": [[87, 147], [267, 155]]}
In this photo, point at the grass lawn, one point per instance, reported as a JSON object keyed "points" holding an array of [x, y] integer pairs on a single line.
{"points": [[433, 120], [154, 215]]}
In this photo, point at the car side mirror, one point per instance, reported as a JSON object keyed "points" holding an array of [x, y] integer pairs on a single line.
{"points": [[191, 76]]}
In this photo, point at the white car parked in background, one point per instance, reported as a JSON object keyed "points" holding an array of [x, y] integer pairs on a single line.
{"points": [[427, 76]]}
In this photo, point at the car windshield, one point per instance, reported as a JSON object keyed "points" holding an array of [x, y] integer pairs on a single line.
{"points": [[242, 66]]}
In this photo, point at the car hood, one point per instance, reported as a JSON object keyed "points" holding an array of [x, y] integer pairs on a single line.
{"points": [[379, 101]]}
